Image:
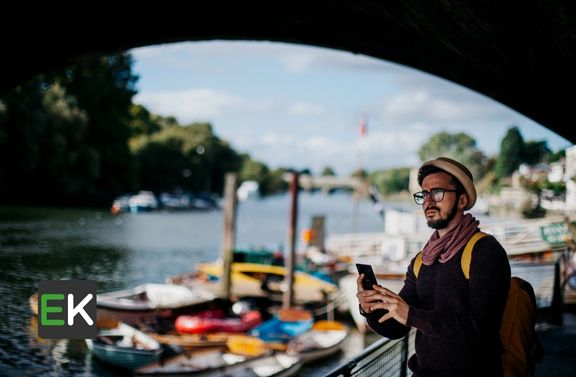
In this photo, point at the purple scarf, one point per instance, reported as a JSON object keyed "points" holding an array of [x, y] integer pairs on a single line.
{"points": [[445, 247]]}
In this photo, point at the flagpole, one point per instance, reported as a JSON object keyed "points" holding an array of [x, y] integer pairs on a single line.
{"points": [[356, 194]]}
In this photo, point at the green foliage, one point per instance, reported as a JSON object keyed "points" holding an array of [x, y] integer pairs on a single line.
{"points": [[328, 171], [530, 211], [142, 122], [253, 170], [274, 182], [557, 188], [270, 182], [104, 87], [459, 147], [186, 157], [557, 156], [43, 145], [534, 152], [511, 153], [391, 180], [359, 173]]}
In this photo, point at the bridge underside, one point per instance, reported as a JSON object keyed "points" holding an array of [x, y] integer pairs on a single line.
{"points": [[520, 53]]}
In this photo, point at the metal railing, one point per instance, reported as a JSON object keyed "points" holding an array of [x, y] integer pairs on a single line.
{"points": [[385, 358]]}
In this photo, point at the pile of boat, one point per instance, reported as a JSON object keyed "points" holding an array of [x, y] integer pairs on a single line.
{"points": [[186, 329]]}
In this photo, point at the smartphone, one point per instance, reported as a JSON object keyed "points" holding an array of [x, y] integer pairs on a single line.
{"points": [[369, 276]]}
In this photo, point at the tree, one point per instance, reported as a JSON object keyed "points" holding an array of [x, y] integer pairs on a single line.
{"points": [[328, 171], [142, 122], [43, 154], [188, 157], [557, 156], [534, 152], [459, 147], [103, 88], [511, 153], [391, 180]]}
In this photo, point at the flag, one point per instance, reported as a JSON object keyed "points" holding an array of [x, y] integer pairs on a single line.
{"points": [[363, 127]]}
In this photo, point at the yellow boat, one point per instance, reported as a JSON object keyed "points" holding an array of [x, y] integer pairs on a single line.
{"points": [[259, 280]]}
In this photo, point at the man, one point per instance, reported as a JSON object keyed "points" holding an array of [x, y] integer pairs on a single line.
{"points": [[457, 320]]}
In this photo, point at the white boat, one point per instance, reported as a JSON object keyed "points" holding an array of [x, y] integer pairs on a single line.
{"points": [[248, 190], [324, 339], [144, 201], [147, 300]]}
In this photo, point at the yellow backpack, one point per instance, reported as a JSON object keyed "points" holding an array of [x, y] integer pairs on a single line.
{"points": [[521, 349]]}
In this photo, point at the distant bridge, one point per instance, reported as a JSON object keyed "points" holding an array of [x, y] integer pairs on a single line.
{"points": [[327, 182]]}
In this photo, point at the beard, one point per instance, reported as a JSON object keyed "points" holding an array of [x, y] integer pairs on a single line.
{"points": [[443, 223]]}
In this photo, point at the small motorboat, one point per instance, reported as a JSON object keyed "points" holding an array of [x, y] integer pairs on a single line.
{"points": [[124, 347]]}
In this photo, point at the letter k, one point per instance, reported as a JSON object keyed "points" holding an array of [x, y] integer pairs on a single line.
{"points": [[78, 309]]}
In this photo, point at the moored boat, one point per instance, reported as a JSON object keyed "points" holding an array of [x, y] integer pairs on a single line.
{"points": [[284, 326], [260, 280], [147, 301], [189, 342], [215, 363], [198, 324], [124, 347], [324, 339]]}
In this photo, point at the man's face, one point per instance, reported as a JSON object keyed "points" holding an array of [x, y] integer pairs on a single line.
{"points": [[440, 214]]}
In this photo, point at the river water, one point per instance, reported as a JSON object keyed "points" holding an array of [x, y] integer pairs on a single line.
{"points": [[123, 251]]}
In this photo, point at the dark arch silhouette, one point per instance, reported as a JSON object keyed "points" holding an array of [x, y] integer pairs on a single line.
{"points": [[520, 53]]}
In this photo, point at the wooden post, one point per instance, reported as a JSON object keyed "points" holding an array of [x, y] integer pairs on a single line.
{"points": [[318, 232], [288, 298], [227, 252]]}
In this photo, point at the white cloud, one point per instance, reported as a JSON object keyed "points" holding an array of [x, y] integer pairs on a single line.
{"points": [[196, 104], [304, 109], [423, 106]]}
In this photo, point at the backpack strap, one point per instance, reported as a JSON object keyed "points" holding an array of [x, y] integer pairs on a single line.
{"points": [[467, 254], [417, 263]]}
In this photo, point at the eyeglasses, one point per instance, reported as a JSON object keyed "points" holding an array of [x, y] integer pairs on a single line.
{"points": [[437, 194]]}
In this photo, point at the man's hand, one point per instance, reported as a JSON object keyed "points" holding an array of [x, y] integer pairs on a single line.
{"points": [[382, 298], [366, 297], [396, 306]]}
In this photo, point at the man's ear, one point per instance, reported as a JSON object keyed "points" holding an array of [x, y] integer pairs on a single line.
{"points": [[462, 201]]}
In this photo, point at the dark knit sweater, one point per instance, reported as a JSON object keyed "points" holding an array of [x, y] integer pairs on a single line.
{"points": [[457, 320]]}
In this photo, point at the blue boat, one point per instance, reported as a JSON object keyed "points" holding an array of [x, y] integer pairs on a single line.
{"points": [[124, 347], [284, 326]]}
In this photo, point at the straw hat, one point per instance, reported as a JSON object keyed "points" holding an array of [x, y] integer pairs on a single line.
{"points": [[459, 171]]}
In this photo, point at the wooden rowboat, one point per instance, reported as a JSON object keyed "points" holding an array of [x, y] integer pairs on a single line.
{"points": [[124, 347]]}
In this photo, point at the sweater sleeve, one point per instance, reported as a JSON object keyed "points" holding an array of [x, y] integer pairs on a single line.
{"points": [[488, 291], [391, 328]]}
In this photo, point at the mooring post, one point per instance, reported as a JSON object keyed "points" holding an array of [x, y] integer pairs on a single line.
{"points": [[227, 252], [288, 298]]}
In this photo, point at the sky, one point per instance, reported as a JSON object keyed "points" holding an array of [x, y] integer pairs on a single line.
{"points": [[301, 106]]}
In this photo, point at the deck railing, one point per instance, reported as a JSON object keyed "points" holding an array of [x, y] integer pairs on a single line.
{"points": [[384, 358]]}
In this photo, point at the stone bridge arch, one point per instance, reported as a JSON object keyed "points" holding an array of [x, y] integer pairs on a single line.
{"points": [[520, 53]]}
